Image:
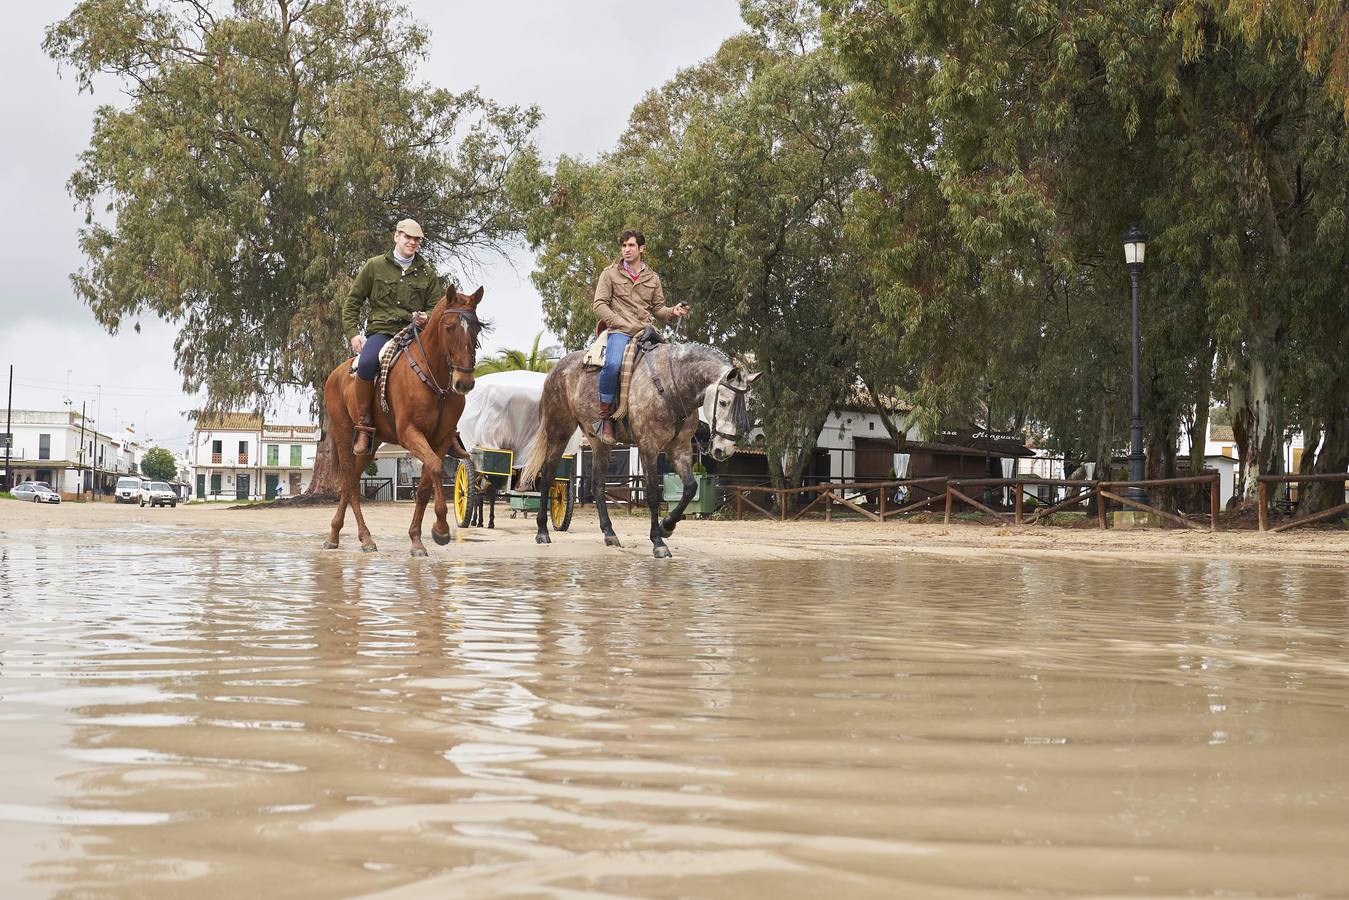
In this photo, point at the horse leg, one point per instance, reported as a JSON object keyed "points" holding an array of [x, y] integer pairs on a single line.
{"points": [[683, 466], [543, 481], [433, 468], [351, 492], [339, 519], [599, 469], [658, 548]]}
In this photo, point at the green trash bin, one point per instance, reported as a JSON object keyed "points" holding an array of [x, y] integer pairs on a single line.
{"points": [[704, 501]]}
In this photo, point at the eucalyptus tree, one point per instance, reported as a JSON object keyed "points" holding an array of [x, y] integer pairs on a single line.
{"points": [[1015, 142], [261, 150], [738, 171]]}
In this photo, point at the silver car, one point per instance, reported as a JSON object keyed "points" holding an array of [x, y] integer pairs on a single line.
{"points": [[36, 491]]}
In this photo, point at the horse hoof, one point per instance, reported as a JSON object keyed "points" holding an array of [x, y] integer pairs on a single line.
{"points": [[661, 552], [542, 539], [419, 551], [330, 545], [441, 539], [368, 548], [611, 540]]}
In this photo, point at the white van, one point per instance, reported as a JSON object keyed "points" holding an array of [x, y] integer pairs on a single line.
{"points": [[131, 489]]}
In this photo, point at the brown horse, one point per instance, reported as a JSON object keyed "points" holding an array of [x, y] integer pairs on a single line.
{"points": [[424, 409]]}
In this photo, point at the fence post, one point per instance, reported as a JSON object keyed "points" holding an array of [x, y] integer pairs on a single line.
{"points": [[949, 498], [1100, 505], [1263, 492], [884, 490], [829, 506], [1214, 502], [1016, 516], [782, 504]]}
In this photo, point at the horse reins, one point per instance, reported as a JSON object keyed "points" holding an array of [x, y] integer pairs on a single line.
{"points": [[681, 416]]}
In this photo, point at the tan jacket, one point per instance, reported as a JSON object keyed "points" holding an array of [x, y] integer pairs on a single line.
{"points": [[628, 306]]}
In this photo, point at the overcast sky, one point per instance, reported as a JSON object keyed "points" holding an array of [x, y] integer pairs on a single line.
{"points": [[584, 62]]}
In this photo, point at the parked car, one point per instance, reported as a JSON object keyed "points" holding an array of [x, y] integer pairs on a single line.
{"points": [[160, 494], [132, 490], [36, 491]]}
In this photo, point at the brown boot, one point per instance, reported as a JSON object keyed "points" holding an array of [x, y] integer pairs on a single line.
{"points": [[365, 404], [604, 428]]}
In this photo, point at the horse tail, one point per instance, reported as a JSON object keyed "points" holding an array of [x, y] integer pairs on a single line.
{"points": [[538, 451], [538, 455]]}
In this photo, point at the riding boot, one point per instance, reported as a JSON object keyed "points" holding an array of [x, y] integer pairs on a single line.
{"points": [[365, 404], [604, 428]]}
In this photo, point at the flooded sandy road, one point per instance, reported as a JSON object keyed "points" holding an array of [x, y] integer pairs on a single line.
{"points": [[182, 717]]}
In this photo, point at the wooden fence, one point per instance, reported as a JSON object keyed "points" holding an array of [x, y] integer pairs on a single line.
{"points": [[1263, 483], [859, 497]]}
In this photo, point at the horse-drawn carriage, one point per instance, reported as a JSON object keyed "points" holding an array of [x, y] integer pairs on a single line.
{"points": [[500, 420]]}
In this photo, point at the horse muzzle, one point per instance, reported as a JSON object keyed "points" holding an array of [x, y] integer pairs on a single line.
{"points": [[462, 382]]}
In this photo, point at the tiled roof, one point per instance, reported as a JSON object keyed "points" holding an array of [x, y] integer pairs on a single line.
{"points": [[230, 421], [1220, 433]]}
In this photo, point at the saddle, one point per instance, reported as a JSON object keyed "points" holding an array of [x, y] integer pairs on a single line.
{"points": [[636, 349]]}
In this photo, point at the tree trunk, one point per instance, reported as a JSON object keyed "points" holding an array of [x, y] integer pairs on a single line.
{"points": [[1333, 456], [326, 477]]}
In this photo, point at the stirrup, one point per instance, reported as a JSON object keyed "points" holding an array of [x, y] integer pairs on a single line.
{"points": [[359, 430]]}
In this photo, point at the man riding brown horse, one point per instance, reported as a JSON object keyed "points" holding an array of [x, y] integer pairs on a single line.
{"points": [[396, 287], [628, 298]]}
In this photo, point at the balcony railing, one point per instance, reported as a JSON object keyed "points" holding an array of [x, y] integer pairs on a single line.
{"points": [[215, 457], [243, 459]]}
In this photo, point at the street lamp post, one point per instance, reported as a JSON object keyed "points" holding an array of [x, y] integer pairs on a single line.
{"points": [[1135, 246]]}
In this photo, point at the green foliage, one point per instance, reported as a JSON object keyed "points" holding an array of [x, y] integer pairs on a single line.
{"points": [[1012, 146], [536, 360], [738, 170], [264, 151], [159, 464]]}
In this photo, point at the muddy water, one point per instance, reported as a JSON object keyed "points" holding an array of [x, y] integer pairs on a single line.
{"points": [[185, 719]]}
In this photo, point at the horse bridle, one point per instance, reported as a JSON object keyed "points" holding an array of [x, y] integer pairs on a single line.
{"points": [[740, 393], [426, 377]]}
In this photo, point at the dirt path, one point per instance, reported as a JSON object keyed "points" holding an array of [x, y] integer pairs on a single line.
{"points": [[513, 538]]}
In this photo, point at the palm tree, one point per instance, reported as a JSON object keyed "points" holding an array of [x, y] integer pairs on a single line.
{"points": [[516, 360]]}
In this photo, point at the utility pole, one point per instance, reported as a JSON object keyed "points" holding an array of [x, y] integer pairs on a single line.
{"points": [[9, 432], [79, 463]]}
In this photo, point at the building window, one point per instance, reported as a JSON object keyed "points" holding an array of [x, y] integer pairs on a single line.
{"points": [[44, 446], [243, 453], [295, 455], [215, 484], [217, 448], [6, 441], [273, 454]]}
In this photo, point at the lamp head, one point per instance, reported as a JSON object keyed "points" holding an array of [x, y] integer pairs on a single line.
{"points": [[1135, 247]]}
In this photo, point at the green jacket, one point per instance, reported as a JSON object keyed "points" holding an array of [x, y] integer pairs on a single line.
{"points": [[392, 295]]}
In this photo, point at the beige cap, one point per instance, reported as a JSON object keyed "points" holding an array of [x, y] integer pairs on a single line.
{"points": [[409, 227]]}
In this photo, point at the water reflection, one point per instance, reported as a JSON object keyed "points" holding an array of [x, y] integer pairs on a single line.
{"points": [[214, 721]]}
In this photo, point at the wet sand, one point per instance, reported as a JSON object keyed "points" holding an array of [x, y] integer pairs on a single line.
{"points": [[259, 526]]}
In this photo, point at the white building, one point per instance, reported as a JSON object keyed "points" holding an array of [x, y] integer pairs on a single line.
{"points": [[238, 456], [63, 449]]}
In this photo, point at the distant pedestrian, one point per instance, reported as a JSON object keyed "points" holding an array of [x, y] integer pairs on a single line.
{"points": [[281, 490]]}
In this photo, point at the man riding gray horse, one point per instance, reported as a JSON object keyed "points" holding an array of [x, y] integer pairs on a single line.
{"points": [[628, 298], [669, 388]]}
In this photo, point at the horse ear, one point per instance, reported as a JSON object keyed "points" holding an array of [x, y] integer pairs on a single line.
{"points": [[477, 296], [751, 378], [734, 374], [451, 290]]}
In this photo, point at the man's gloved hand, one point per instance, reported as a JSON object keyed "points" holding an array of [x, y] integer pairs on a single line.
{"points": [[419, 319]]}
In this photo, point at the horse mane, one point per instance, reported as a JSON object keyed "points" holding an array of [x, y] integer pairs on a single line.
{"points": [[718, 354]]}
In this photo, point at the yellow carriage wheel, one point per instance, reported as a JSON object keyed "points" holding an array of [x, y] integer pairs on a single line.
{"points": [[560, 501], [465, 492]]}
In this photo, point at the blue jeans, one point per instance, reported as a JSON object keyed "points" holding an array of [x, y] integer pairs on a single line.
{"points": [[367, 367], [613, 362]]}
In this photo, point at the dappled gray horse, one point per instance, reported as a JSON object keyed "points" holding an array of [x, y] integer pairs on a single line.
{"points": [[670, 384]]}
